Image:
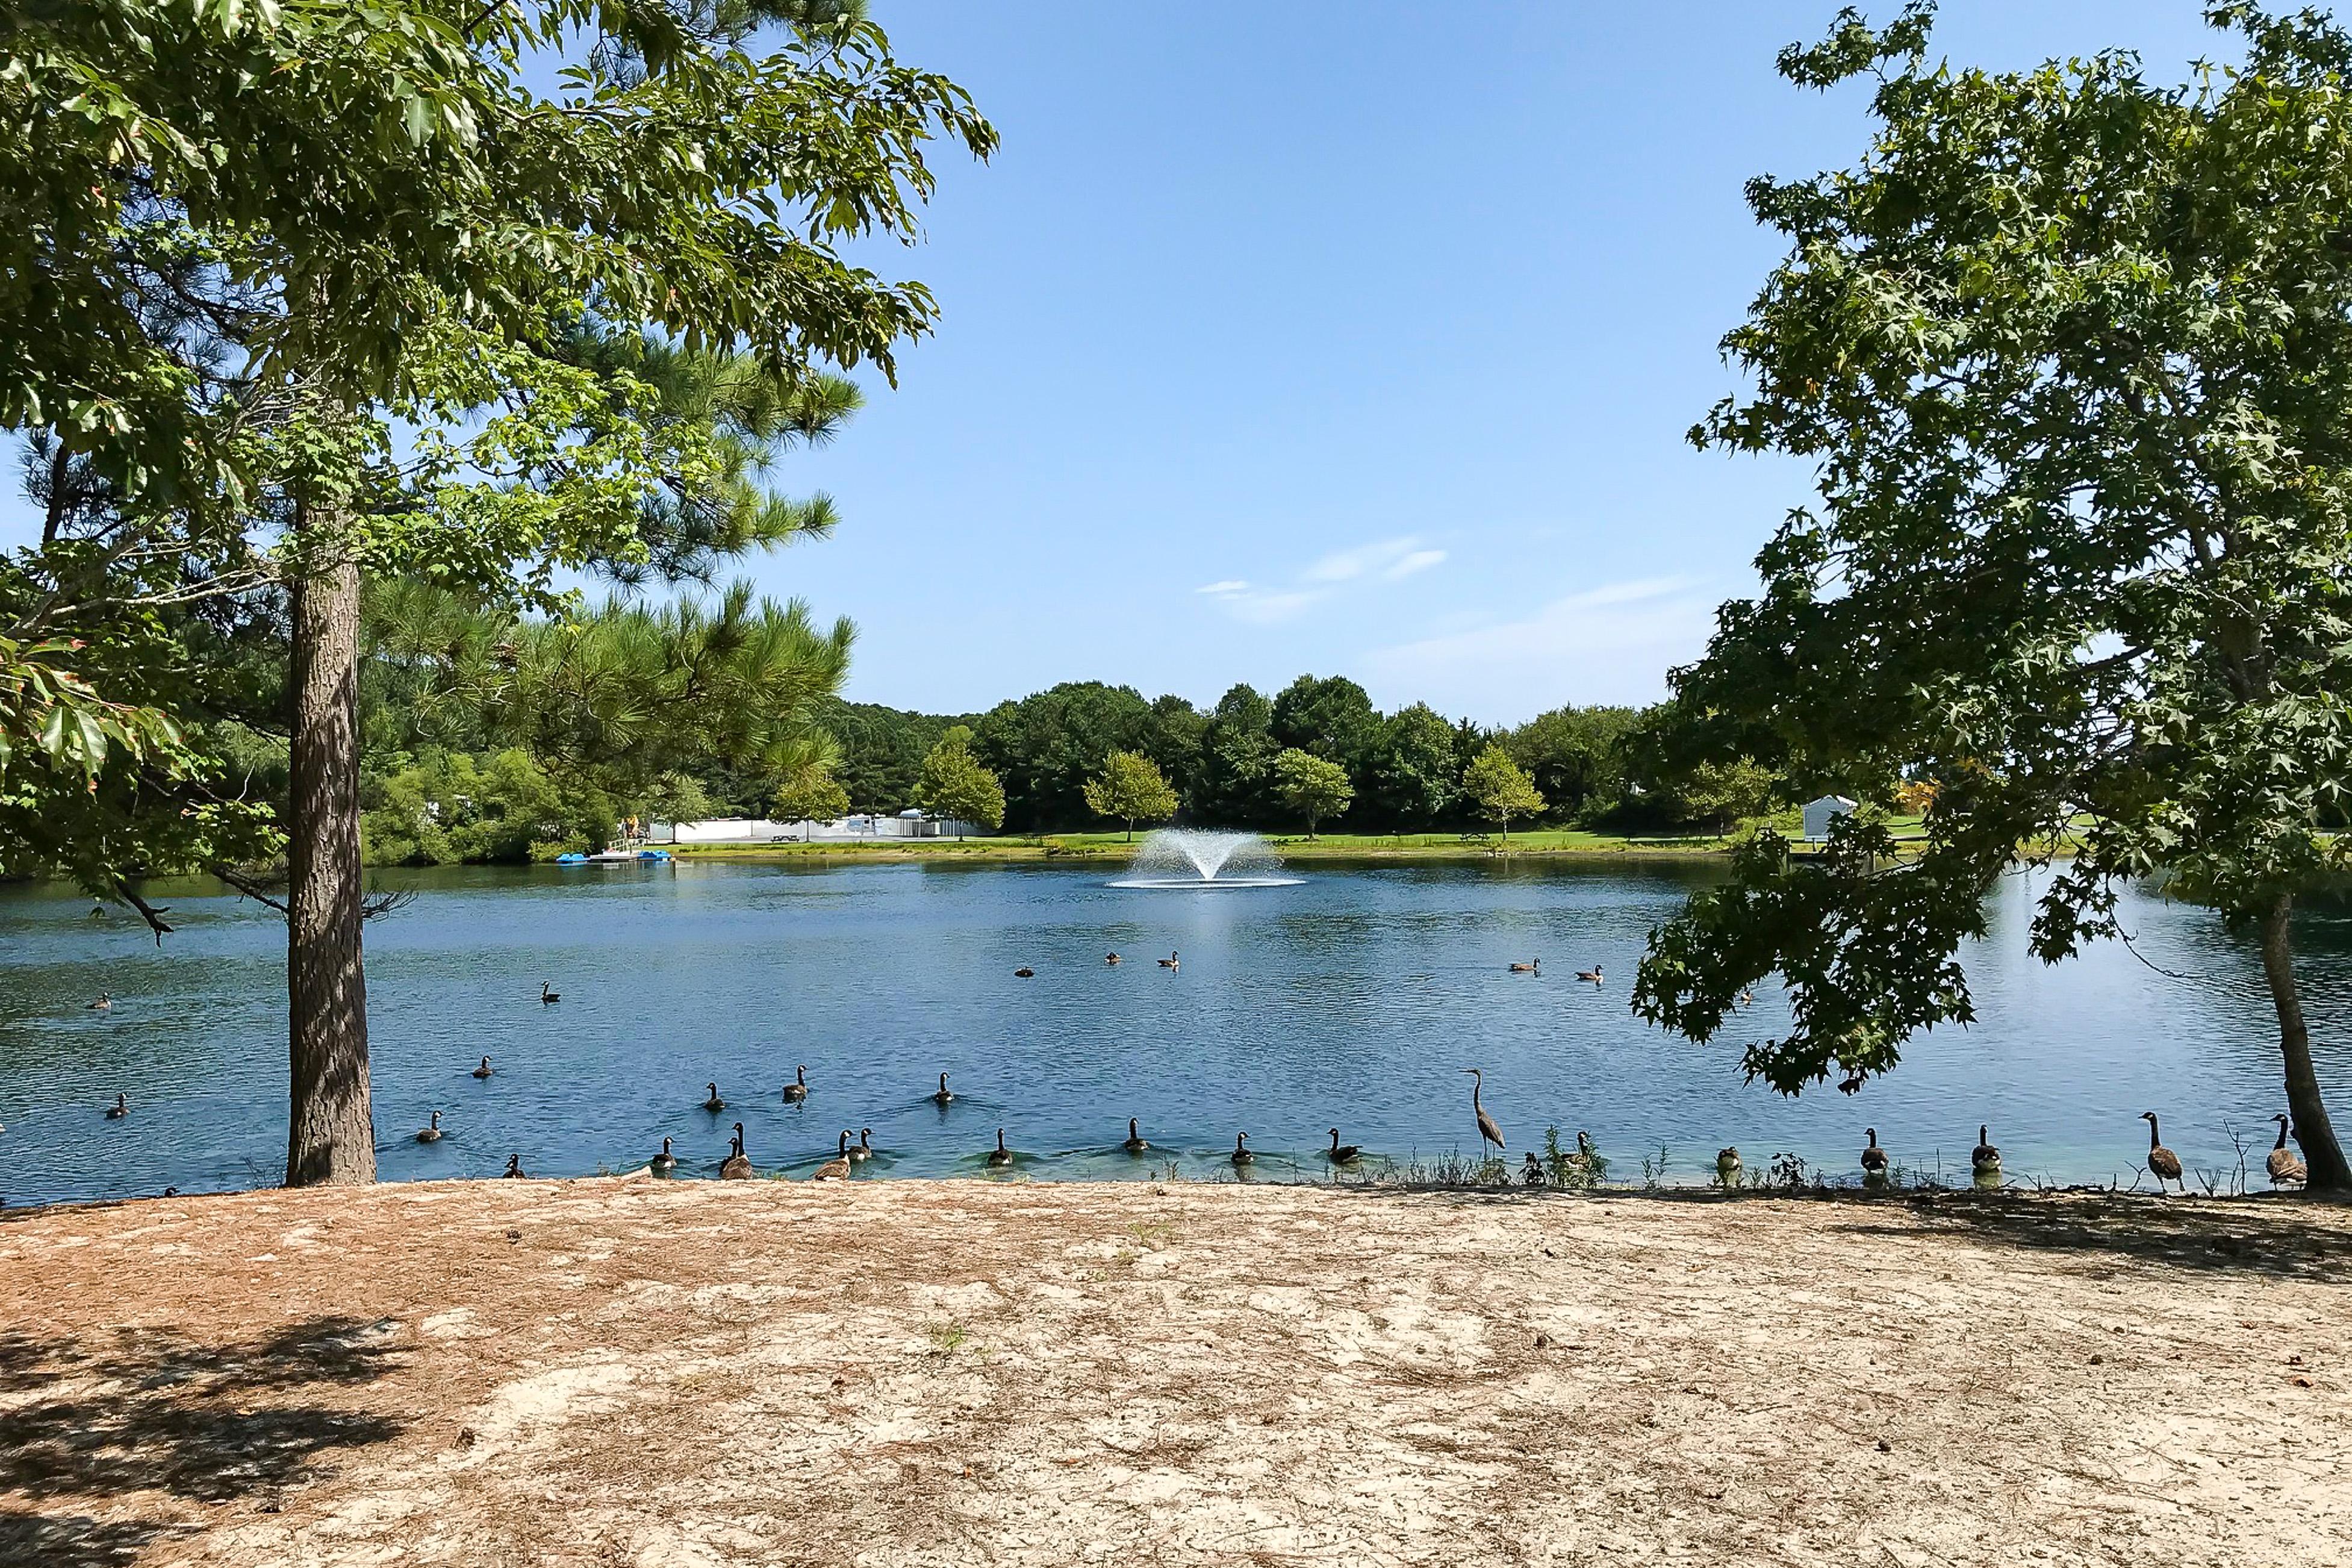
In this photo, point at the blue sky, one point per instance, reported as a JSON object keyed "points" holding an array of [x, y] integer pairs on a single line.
{"points": [[1343, 336]]}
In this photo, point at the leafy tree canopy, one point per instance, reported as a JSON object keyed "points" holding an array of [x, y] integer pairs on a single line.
{"points": [[1130, 789], [1311, 787]]}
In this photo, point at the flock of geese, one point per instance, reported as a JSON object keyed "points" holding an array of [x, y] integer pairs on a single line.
{"points": [[2285, 1168]]}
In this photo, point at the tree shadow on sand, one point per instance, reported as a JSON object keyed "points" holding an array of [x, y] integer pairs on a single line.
{"points": [[94, 1423]]}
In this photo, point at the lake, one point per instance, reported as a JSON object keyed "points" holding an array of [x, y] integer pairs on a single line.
{"points": [[1353, 997]]}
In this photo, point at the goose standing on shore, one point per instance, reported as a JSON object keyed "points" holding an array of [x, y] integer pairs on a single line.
{"points": [[1487, 1132], [1000, 1156], [514, 1170], [837, 1168], [1727, 1166], [120, 1109], [484, 1070], [1241, 1154], [1135, 1143], [2285, 1168], [942, 1097], [431, 1132], [737, 1166], [797, 1090], [1342, 1153], [1984, 1159], [714, 1104], [865, 1150], [1874, 1158], [2162, 1163], [664, 1162]]}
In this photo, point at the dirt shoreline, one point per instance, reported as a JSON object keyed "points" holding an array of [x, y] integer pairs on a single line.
{"points": [[627, 1370]]}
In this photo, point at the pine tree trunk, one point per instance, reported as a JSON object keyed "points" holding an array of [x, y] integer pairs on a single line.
{"points": [[2321, 1153], [331, 1133]]}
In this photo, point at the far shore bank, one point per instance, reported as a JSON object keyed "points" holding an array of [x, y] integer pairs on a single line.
{"points": [[1112, 848]]}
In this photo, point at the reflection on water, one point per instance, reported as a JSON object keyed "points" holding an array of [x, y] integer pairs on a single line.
{"points": [[1353, 998]]}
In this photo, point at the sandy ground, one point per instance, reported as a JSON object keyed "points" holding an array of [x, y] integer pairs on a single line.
{"points": [[685, 1373]]}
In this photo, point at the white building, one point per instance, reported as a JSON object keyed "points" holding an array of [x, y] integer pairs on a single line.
{"points": [[1820, 814], [863, 827]]}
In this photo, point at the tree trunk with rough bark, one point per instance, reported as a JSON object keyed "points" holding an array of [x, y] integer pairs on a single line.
{"points": [[331, 1131], [2321, 1153]]}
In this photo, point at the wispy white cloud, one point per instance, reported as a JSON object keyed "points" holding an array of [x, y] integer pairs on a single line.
{"points": [[1385, 559], [1415, 561], [1224, 590], [1612, 642]]}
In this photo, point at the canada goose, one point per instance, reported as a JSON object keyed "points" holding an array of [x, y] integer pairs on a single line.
{"points": [[1169, 962], [1874, 1158], [662, 1162], [1748, 997], [1341, 1154], [1000, 1156], [1533, 966], [2283, 1166], [546, 995], [1984, 1159], [1487, 1132], [737, 1166], [1025, 972], [836, 1168], [484, 1070], [1586, 1157], [2162, 1163], [1727, 1165], [120, 1109], [797, 1090], [865, 1150], [714, 1104], [514, 1170], [1135, 1143], [431, 1132], [104, 1004], [1590, 976], [1241, 1155], [942, 1097], [1110, 958]]}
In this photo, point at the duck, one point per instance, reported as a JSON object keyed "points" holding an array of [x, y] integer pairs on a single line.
{"points": [[1342, 1153], [1984, 1159], [1110, 958], [1727, 1165], [664, 1161], [1025, 972], [1169, 962], [484, 1070], [1533, 966], [1590, 977], [2162, 1163], [1000, 1156], [797, 1090], [943, 1097], [1135, 1143], [2285, 1167], [737, 1166], [120, 1109], [104, 1004], [431, 1132], [1242, 1155], [865, 1150], [514, 1170], [1874, 1158], [714, 1104], [547, 994], [836, 1168]]}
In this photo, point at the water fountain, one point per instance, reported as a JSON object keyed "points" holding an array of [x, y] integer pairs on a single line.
{"points": [[1205, 858]]}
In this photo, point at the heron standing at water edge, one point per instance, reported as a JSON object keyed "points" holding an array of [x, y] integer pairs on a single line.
{"points": [[1487, 1132]]}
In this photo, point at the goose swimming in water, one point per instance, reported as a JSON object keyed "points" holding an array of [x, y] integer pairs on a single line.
{"points": [[737, 1166], [1025, 972], [484, 1070], [836, 1168], [2162, 1163], [664, 1161], [1110, 958], [1487, 1132], [865, 1150], [104, 1004], [1590, 977], [1984, 1159], [514, 1170], [942, 1097], [546, 995], [1874, 1158], [1135, 1143], [1345, 1153], [797, 1090], [2285, 1167], [1000, 1156], [714, 1104], [120, 1109], [1241, 1154], [1533, 966], [1169, 962], [431, 1132]]}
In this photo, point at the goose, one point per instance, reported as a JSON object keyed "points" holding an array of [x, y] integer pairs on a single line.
{"points": [[1590, 976], [1341, 1154], [714, 1104], [1025, 972], [865, 1150], [2283, 1166], [1984, 1159], [120, 1109], [1000, 1156], [836, 1168], [942, 1097], [484, 1070], [1487, 1132], [2162, 1163], [1533, 966], [1110, 958], [737, 1166], [546, 996], [514, 1170], [104, 1004], [1748, 996], [797, 1090], [1135, 1143], [1586, 1157], [1169, 962], [1874, 1158], [1727, 1165], [1241, 1155], [431, 1133], [664, 1161]]}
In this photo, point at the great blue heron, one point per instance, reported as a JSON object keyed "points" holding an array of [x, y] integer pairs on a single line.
{"points": [[1487, 1132]]}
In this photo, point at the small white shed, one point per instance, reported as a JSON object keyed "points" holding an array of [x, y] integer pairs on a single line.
{"points": [[1820, 814]]}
